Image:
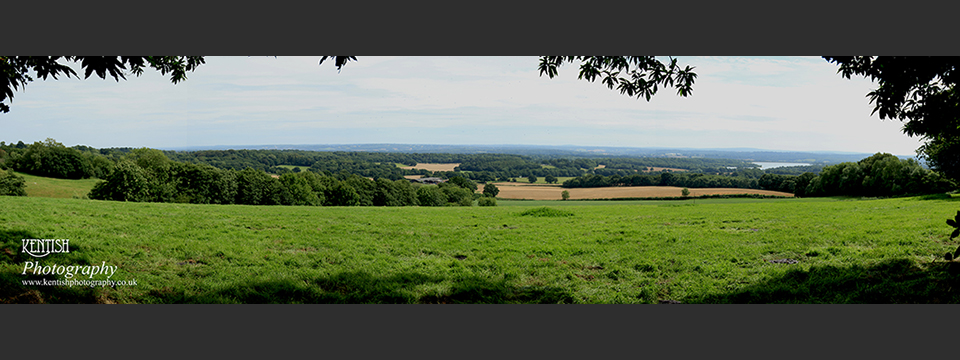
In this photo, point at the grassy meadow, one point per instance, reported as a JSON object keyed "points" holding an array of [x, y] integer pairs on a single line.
{"points": [[711, 251], [57, 188]]}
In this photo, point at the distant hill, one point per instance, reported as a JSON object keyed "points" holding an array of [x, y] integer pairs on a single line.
{"points": [[748, 154]]}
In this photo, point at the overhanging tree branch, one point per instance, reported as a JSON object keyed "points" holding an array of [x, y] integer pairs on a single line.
{"points": [[642, 75], [16, 70]]}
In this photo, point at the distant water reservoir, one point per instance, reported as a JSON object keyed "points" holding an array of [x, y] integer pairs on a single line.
{"points": [[771, 165]]}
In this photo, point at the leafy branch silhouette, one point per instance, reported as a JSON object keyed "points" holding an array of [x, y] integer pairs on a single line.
{"points": [[955, 222]]}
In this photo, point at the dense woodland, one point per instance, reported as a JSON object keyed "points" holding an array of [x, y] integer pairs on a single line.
{"points": [[345, 178]]}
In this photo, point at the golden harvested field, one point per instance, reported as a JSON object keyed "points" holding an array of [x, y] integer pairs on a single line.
{"points": [[541, 192], [433, 167]]}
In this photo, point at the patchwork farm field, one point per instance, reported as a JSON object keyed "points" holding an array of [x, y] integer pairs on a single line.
{"points": [[540, 192], [762, 251]]}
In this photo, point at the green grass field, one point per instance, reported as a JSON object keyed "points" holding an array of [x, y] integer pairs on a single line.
{"points": [[714, 251], [57, 188]]}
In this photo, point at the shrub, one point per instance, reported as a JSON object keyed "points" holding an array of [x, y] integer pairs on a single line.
{"points": [[12, 184], [487, 201]]}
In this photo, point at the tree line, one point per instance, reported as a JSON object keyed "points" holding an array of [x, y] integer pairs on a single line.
{"points": [[690, 180], [149, 176], [52, 159], [213, 177], [878, 175], [478, 167]]}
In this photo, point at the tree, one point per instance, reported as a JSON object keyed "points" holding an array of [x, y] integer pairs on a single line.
{"points": [[532, 179], [296, 190], [341, 194], [667, 179], [565, 194], [643, 74], [463, 182], [802, 182], [921, 92], [550, 179], [16, 70], [366, 188], [12, 184], [490, 190], [202, 184], [685, 192], [127, 182], [157, 168], [457, 195], [52, 159], [255, 187], [431, 195]]}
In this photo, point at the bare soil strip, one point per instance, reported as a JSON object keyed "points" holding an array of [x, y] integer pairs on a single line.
{"points": [[553, 193]]}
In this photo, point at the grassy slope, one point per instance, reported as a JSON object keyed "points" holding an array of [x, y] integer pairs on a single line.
{"points": [[57, 188], [853, 251]]}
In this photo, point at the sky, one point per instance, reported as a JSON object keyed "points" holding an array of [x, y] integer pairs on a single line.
{"points": [[771, 103]]}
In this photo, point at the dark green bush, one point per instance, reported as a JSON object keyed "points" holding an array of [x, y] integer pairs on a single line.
{"points": [[12, 184], [487, 201]]}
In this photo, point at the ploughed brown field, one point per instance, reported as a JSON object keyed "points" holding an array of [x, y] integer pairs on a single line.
{"points": [[534, 192], [433, 167]]}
